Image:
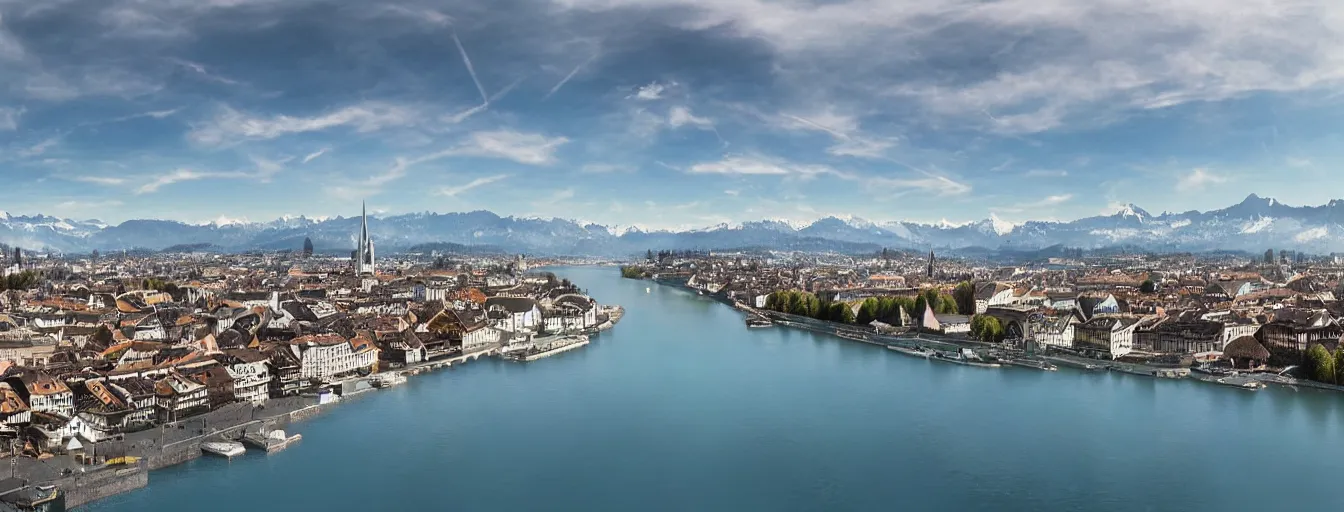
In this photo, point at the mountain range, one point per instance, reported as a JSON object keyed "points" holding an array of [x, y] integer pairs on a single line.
{"points": [[1255, 224]]}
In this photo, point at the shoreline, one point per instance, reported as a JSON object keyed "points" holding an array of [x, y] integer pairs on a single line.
{"points": [[171, 444], [1246, 381]]}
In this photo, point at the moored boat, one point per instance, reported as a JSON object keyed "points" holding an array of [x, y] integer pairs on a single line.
{"points": [[226, 449], [758, 322], [965, 357], [1032, 363], [917, 351]]}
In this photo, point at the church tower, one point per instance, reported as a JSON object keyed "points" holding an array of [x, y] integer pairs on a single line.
{"points": [[364, 257]]}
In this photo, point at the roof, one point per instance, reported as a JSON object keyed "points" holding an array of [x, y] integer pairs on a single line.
{"points": [[512, 304], [1246, 347]]}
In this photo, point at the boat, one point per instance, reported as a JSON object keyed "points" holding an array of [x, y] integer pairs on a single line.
{"points": [[1249, 385], [861, 338], [226, 449], [757, 322], [1032, 363], [923, 352], [272, 441], [965, 357]]}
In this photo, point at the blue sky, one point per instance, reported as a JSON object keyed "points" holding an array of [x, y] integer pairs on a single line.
{"points": [[666, 113]]}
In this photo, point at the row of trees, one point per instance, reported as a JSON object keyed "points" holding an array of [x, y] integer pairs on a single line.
{"points": [[809, 305], [882, 309], [986, 328], [1324, 366]]}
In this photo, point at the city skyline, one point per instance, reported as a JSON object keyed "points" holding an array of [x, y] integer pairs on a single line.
{"points": [[667, 114]]}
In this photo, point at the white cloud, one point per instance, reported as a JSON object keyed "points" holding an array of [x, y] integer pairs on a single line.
{"points": [[40, 147], [843, 128], [763, 166], [100, 180], [932, 183], [1198, 179], [1056, 199], [679, 116], [264, 171], [733, 193], [521, 147], [599, 168], [312, 156], [650, 92], [478, 182], [1054, 62], [570, 76], [1046, 173], [199, 70], [230, 125], [740, 165]]}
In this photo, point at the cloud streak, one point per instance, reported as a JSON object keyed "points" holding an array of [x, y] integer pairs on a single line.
{"points": [[471, 185]]}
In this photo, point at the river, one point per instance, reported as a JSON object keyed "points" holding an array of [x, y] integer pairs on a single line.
{"points": [[681, 407]]}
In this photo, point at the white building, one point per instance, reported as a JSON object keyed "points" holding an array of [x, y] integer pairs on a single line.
{"points": [[328, 356]]}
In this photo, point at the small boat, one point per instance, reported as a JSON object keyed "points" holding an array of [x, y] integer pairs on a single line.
{"points": [[757, 322], [923, 352], [1032, 363], [965, 357], [226, 449], [1249, 385]]}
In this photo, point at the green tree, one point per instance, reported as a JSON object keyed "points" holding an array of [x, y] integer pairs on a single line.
{"points": [[841, 312], [1321, 363], [964, 296], [1148, 286], [867, 311], [1339, 365], [947, 305], [921, 303]]}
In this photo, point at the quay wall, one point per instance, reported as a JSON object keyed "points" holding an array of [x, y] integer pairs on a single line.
{"points": [[87, 488]]}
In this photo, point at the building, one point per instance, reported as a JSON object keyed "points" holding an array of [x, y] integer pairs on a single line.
{"points": [[1185, 337], [326, 357], [514, 314], [180, 396], [1105, 336], [1293, 330], [251, 373], [991, 294], [365, 262]]}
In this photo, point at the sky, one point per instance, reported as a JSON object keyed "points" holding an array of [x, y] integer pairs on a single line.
{"points": [[667, 114]]}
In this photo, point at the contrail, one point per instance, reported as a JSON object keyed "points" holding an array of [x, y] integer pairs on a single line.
{"points": [[571, 74], [470, 69]]}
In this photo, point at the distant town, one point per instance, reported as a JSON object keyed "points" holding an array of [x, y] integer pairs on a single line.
{"points": [[112, 365], [1224, 319]]}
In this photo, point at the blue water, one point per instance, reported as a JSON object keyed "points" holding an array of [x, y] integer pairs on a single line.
{"points": [[682, 408]]}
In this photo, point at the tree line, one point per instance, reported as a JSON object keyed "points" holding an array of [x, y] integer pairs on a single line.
{"points": [[1324, 366], [883, 309]]}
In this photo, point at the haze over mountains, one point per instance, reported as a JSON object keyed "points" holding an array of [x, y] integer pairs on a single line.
{"points": [[1254, 225]]}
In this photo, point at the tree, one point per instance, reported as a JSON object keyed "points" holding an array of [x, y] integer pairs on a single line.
{"points": [[1321, 363], [307, 247], [948, 305], [867, 311], [1148, 286], [964, 296], [1339, 365]]}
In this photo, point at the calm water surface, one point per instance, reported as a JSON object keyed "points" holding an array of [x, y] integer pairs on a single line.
{"points": [[682, 408]]}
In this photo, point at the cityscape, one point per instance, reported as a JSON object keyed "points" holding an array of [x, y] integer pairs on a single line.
{"points": [[671, 255]]}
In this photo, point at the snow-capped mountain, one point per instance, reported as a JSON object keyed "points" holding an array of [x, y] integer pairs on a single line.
{"points": [[1252, 225]]}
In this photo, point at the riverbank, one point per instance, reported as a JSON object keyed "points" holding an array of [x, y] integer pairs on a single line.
{"points": [[912, 339], [137, 454]]}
